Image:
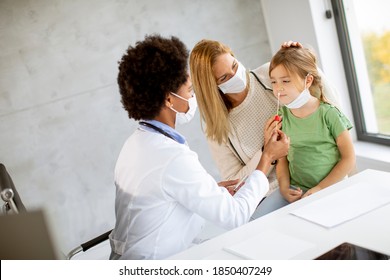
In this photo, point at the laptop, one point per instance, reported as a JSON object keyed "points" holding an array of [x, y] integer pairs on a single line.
{"points": [[348, 251], [26, 236]]}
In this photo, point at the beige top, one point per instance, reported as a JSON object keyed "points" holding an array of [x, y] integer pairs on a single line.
{"points": [[247, 123]]}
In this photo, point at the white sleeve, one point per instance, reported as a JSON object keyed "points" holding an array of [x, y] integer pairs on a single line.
{"points": [[187, 182]]}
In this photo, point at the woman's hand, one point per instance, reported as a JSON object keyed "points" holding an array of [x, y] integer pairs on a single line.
{"points": [[270, 126], [229, 185], [291, 44]]}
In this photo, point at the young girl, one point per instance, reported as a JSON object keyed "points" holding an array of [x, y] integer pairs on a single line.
{"points": [[321, 150]]}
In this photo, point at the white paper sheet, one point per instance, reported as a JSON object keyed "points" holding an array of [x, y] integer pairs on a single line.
{"points": [[269, 245], [345, 204]]}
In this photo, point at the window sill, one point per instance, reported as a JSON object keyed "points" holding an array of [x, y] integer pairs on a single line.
{"points": [[370, 155]]}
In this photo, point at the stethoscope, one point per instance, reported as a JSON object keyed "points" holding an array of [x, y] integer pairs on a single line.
{"points": [[152, 126]]}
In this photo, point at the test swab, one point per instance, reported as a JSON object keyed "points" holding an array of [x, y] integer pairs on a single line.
{"points": [[239, 183], [277, 117]]}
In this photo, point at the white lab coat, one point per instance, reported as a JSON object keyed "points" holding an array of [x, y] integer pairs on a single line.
{"points": [[164, 196]]}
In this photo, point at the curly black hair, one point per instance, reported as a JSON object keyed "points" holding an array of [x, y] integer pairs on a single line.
{"points": [[148, 72]]}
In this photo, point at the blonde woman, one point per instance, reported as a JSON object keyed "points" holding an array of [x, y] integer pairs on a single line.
{"points": [[237, 109]]}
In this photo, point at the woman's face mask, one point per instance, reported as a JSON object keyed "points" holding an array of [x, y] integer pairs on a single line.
{"points": [[237, 83], [181, 117]]}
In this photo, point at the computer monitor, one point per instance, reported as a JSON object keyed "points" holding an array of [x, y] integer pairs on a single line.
{"points": [[26, 236]]}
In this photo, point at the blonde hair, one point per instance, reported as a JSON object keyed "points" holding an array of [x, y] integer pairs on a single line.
{"points": [[213, 107], [300, 62]]}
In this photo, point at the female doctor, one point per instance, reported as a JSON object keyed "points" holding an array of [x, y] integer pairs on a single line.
{"points": [[163, 194]]}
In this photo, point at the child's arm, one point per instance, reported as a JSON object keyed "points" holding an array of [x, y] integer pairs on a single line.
{"points": [[283, 176], [345, 165]]}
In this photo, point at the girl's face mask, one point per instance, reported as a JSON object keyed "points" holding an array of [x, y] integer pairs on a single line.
{"points": [[301, 99]]}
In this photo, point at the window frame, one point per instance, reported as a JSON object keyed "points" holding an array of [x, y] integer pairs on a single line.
{"points": [[351, 77]]}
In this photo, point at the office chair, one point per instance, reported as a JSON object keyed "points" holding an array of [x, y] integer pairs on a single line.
{"points": [[9, 194], [88, 245]]}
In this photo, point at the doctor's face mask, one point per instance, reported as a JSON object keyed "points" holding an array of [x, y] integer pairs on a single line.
{"points": [[185, 117]]}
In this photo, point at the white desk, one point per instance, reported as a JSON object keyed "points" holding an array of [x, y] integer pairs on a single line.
{"points": [[371, 230]]}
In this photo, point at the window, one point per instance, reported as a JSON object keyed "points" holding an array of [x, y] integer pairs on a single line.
{"points": [[364, 34]]}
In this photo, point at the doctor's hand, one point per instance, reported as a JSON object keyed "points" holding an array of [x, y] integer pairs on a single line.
{"points": [[270, 126], [277, 146], [229, 185]]}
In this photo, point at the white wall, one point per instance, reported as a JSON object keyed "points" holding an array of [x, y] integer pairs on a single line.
{"points": [[61, 121]]}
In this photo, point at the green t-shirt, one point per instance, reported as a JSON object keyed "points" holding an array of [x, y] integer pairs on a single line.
{"points": [[313, 150]]}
